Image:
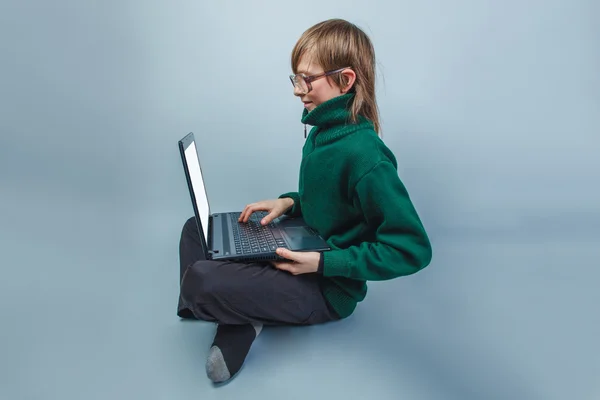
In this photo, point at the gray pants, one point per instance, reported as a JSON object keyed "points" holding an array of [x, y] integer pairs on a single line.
{"points": [[241, 293]]}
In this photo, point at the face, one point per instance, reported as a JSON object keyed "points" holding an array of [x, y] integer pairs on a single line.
{"points": [[324, 88]]}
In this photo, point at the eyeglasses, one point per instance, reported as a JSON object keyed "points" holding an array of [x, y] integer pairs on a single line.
{"points": [[303, 82]]}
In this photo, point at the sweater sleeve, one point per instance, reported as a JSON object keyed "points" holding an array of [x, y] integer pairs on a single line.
{"points": [[296, 209], [400, 245]]}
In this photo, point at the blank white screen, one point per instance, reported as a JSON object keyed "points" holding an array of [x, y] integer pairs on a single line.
{"points": [[193, 165]]}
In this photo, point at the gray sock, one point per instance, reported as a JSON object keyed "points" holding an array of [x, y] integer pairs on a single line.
{"points": [[229, 350]]}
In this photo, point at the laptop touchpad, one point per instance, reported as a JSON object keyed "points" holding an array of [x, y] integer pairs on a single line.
{"points": [[300, 238]]}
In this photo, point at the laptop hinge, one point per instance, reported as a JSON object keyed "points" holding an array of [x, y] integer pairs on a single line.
{"points": [[209, 243]]}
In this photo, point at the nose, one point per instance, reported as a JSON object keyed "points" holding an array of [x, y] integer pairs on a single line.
{"points": [[297, 91]]}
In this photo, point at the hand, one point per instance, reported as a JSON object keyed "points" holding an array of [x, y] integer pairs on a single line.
{"points": [[301, 262], [276, 209]]}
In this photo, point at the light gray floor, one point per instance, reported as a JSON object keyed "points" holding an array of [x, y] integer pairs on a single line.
{"points": [[490, 107], [88, 311]]}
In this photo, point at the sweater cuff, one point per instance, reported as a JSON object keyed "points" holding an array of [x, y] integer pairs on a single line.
{"points": [[335, 263]]}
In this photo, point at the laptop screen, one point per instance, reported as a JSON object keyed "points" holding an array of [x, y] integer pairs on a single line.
{"points": [[191, 158]]}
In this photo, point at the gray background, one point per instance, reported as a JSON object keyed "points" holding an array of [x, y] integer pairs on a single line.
{"points": [[492, 108]]}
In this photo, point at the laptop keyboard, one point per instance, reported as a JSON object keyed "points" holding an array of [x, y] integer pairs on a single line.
{"points": [[252, 237]]}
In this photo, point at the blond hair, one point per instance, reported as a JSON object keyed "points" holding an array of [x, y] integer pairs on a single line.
{"points": [[337, 43]]}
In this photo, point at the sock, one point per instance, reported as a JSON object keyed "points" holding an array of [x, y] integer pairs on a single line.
{"points": [[229, 350]]}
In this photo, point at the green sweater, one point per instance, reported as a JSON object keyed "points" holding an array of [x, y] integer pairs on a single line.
{"points": [[350, 192]]}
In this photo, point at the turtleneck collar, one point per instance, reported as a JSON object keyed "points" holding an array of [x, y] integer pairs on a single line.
{"points": [[333, 119]]}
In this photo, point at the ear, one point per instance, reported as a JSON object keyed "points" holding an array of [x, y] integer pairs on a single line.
{"points": [[349, 77]]}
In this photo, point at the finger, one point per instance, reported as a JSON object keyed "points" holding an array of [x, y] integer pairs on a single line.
{"points": [[268, 218], [287, 254], [253, 208], [241, 218], [248, 212]]}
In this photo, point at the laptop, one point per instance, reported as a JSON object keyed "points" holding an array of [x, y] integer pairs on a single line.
{"points": [[224, 238]]}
